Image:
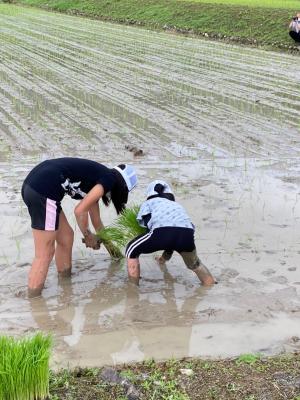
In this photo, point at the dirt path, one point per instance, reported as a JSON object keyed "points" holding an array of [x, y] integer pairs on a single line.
{"points": [[220, 122]]}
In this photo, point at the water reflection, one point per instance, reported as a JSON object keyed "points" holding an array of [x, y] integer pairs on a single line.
{"points": [[120, 323]]}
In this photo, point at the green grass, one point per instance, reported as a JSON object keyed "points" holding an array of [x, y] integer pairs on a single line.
{"points": [[287, 4], [24, 367], [253, 22], [124, 229]]}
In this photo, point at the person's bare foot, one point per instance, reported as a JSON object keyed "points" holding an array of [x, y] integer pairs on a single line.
{"points": [[209, 281]]}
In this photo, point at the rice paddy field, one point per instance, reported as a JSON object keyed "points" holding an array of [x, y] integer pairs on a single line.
{"points": [[219, 122]]}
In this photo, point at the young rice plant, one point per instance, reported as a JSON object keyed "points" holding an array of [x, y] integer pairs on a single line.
{"points": [[24, 367], [126, 227]]}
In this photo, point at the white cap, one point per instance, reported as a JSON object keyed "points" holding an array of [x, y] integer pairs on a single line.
{"points": [[129, 176], [150, 189]]}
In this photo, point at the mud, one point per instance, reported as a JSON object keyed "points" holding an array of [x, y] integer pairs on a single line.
{"points": [[219, 122]]}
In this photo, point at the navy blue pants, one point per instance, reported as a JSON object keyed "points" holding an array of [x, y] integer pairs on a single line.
{"points": [[295, 36], [166, 238]]}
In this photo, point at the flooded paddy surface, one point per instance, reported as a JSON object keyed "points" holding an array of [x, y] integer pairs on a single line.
{"points": [[221, 123]]}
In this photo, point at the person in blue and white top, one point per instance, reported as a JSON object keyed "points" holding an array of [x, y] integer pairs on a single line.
{"points": [[43, 190], [295, 28], [169, 229]]}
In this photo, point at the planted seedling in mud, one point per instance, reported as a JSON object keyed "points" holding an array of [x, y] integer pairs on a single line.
{"points": [[24, 367], [116, 236]]}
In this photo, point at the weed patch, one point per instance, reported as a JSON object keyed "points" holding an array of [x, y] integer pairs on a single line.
{"points": [[236, 379]]}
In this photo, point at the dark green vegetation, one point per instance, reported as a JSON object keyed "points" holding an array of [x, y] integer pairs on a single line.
{"points": [[249, 377], [24, 367], [245, 24]]}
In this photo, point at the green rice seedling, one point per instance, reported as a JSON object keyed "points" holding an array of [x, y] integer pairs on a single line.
{"points": [[128, 223], [24, 367], [124, 229], [110, 238]]}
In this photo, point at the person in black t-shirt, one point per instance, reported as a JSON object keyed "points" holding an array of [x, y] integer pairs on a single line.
{"points": [[42, 191]]}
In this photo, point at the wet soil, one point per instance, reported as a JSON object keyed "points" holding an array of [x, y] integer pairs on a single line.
{"points": [[219, 122]]}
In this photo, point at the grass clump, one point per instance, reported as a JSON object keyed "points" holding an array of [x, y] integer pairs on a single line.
{"points": [[24, 367], [292, 4], [248, 358], [124, 229]]}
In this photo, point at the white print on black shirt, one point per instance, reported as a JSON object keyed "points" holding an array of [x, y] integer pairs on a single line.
{"points": [[72, 188]]}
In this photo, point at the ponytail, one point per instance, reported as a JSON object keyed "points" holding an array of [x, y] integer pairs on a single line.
{"points": [[118, 194], [159, 189]]}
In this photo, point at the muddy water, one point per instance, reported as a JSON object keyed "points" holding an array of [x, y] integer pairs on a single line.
{"points": [[220, 123]]}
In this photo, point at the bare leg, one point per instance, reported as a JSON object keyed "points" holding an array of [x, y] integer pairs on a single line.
{"points": [[193, 262], [44, 252], [166, 256], [133, 268], [204, 275], [64, 244]]}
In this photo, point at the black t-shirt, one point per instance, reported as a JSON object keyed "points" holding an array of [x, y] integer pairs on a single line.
{"points": [[73, 176]]}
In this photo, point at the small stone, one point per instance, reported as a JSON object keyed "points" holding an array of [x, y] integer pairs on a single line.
{"points": [[186, 371], [110, 375], [132, 393]]}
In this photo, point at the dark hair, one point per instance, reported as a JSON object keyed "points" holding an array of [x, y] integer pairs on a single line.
{"points": [[119, 192], [159, 189]]}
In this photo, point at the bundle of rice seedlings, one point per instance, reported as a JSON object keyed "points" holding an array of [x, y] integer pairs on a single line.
{"points": [[124, 229], [24, 367]]}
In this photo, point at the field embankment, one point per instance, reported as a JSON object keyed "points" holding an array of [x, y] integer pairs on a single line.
{"points": [[260, 25], [247, 378]]}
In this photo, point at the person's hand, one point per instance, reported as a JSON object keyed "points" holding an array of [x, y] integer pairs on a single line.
{"points": [[91, 240]]}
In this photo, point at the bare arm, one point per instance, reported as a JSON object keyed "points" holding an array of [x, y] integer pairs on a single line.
{"points": [[94, 212], [294, 26], [89, 206], [83, 208]]}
